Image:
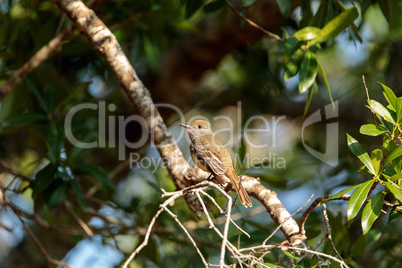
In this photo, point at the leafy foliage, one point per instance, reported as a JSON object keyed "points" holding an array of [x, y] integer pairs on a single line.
{"points": [[117, 203], [376, 166]]}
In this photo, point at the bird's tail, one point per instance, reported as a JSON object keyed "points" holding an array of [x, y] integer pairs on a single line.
{"points": [[244, 198]]}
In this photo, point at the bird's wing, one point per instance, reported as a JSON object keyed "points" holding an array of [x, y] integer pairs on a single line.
{"points": [[209, 156]]}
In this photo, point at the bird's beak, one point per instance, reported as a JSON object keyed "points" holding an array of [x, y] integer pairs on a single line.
{"points": [[185, 126]]}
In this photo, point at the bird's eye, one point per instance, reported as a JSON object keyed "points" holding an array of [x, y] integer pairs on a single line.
{"points": [[199, 126]]}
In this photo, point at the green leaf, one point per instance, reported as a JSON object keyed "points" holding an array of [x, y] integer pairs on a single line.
{"points": [[354, 28], [308, 71], [307, 33], [396, 177], [395, 153], [285, 7], [395, 191], [341, 193], [357, 199], [358, 150], [376, 156], [379, 109], [324, 77], [372, 211], [23, 119], [336, 26], [372, 130], [44, 179], [389, 95]]}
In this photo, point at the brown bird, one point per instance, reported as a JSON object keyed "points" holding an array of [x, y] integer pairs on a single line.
{"points": [[210, 155]]}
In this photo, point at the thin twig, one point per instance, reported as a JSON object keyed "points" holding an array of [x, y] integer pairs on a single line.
{"points": [[217, 221], [37, 243], [148, 233], [252, 23], [174, 216], [225, 232], [83, 225], [328, 229], [12, 172], [341, 262]]}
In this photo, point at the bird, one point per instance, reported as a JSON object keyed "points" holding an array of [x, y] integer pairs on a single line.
{"points": [[210, 155]]}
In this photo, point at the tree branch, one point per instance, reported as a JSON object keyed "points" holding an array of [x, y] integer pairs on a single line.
{"points": [[105, 43]]}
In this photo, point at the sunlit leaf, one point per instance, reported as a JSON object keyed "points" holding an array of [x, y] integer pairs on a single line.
{"points": [[341, 193], [307, 33], [390, 95], [395, 153], [379, 109], [357, 199], [353, 25], [372, 130], [336, 26], [358, 150], [372, 211], [376, 156], [395, 191], [396, 177], [308, 71]]}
